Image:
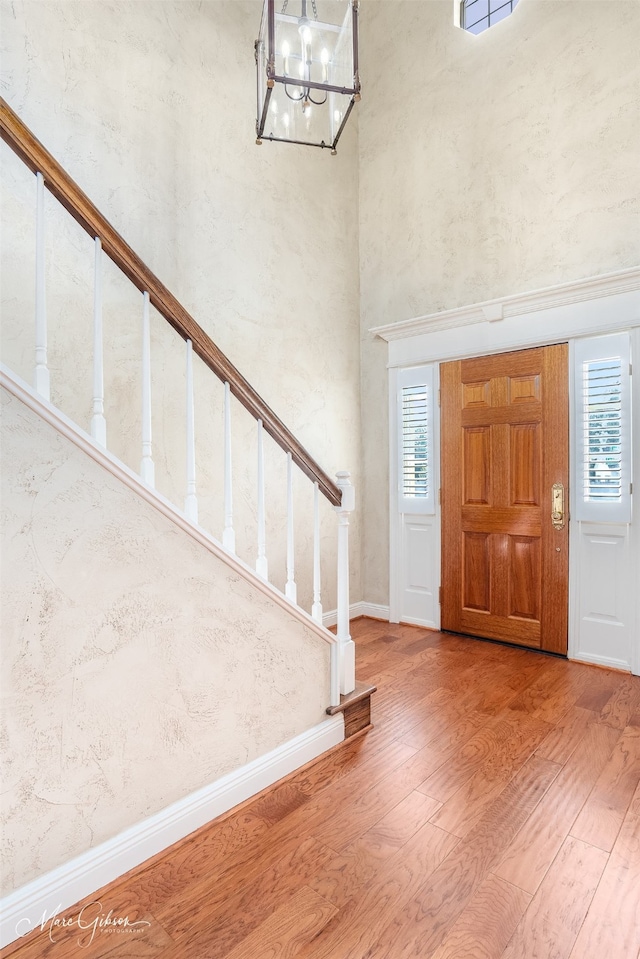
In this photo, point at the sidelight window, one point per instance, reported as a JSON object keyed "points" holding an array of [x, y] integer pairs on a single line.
{"points": [[415, 433], [603, 428]]}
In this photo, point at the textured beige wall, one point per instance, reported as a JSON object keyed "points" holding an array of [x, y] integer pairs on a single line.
{"points": [[123, 655], [151, 108], [489, 165]]}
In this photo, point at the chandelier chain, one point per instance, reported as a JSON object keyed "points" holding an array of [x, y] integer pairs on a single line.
{"points": [[313, 5]]}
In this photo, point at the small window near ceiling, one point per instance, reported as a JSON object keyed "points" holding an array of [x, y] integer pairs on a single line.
{"points": [[478, 15], [415, 441], [603, 428]]}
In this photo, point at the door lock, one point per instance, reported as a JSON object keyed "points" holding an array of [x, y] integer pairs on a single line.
{"points": [[557, 506]]}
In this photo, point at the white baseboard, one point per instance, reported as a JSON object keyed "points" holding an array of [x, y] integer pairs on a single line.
{"points": [[357, 609], [605, 661], [415, 621], [27, 908]]}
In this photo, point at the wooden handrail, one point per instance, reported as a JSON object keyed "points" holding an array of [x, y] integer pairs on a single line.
{"points": [[76, 202]]}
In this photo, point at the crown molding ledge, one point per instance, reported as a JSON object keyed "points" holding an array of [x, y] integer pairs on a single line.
{"points": [[492, 311]]}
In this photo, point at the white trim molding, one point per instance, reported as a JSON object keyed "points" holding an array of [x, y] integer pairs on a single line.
{"points": [[373, 610], [27, 908], [492, 311]]}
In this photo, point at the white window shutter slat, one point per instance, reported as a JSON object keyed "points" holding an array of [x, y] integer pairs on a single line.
{"points": [[415, 441], [603, 429]]}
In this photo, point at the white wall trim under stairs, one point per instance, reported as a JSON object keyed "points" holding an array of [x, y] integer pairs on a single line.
{"points": [[374, 610], [67, 428], [37, 902]]}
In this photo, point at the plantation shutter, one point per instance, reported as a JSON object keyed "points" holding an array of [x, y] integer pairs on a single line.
{"points": [[415, 441], [603, 429]]}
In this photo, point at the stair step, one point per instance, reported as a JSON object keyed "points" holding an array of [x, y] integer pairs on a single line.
{"points": [[356, 707]]}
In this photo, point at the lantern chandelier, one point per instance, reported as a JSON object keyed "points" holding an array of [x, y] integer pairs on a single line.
{"points": [[307, 64]]}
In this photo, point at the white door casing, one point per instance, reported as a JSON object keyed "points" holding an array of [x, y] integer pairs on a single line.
{"points": [[604, 564]]}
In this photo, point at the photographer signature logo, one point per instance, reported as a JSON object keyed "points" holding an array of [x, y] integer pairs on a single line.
{"points": [[90, 920]]}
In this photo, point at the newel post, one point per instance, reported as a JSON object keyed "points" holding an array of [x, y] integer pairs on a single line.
{"points": [[346, 645]]}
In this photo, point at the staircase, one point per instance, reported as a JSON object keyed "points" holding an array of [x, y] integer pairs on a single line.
{"points": [[147, 628]]}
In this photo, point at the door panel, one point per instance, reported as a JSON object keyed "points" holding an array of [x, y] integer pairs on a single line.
{"points": [[504, 444]]}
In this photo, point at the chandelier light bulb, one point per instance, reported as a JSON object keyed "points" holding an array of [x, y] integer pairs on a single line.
{"points": [[305, 37], [324, 59], [286, 50]]}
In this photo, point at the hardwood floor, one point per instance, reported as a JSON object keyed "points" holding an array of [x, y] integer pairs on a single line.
{"points": [[493, 812]]}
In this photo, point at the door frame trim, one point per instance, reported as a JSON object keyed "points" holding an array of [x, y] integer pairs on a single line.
{"points": [[560, 314]]}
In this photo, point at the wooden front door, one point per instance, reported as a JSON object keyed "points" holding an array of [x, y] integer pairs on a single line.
{"points": [[505, 444]]}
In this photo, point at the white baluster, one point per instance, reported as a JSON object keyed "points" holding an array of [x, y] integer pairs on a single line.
{"points": [[347, 646], [147, 467], [262, 567], [316, 609], [98, 422], [228, 535], [41, 373], [191, 502], [290, 589]]}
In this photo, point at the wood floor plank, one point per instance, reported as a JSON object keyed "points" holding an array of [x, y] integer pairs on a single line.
{"points": [[147, 936], [429, 701], [282, 869], [447, 747], [486, 925], [558, 688], [364, 811], [279, 802], [342, 879], [623, 706], [566, 734], [611, 929], [146, 943], [601, 817], [495, 739], [281, 936], [398, 826], [442, 711], [394, 667], [380, 900], [323, 804], [452, 733], [368, 759], [497, 684], [550, 926], [421, 926], [530, 855], [202, 856], [460, 813]]}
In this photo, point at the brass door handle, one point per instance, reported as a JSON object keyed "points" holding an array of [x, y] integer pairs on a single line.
{"points": [[557, 506]]}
